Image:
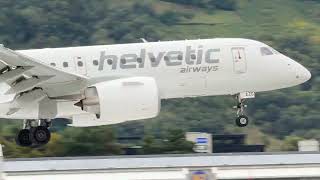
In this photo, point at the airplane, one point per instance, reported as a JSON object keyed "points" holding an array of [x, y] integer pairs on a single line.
{"points": [[110, 84]]}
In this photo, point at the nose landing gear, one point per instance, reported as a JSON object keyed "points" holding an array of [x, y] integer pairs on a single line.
{"points": [[242, 120], [34, 133]]}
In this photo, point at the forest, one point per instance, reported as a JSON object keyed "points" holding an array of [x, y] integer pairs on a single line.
{"points": [[278, 119]]}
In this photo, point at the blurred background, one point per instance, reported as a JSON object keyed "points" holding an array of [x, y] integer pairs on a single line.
{"points": [[279, 119]]}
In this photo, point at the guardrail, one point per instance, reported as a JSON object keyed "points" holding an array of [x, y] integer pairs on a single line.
{"points": [[173, 167]]}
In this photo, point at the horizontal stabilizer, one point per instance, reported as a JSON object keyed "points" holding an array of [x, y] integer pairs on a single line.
{"points": [[27, 84]]}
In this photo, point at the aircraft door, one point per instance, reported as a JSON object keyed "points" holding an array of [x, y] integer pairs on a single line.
{"points": [[239, 60], [80, 65]]}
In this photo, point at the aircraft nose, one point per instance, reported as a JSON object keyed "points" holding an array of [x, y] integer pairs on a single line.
{"points": [[303, 74]]}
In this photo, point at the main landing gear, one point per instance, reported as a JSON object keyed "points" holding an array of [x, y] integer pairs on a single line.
{"points": [[34, 133], [242, 120]]}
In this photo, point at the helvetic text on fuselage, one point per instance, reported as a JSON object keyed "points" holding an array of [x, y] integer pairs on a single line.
{"points": [[193, 58]]}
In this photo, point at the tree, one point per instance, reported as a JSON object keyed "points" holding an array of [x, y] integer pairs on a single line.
{"points": [[228, 5], [169, 18], [173, 142], [88, 141], [151, 145], [291, 143], [176, 142]]}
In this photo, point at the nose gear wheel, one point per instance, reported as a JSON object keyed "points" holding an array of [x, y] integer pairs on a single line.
{"points": [[242, 120]]}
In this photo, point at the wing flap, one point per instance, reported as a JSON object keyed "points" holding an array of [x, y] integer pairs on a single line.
{"points": [[27, 84], [10, 75], [3, 66], [24, 73]]}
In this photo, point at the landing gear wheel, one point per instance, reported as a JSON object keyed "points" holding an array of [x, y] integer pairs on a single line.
{"points": [[24, 138], [242, 121], [41, 135]]}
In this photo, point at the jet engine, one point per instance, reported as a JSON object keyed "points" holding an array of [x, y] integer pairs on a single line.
{"points": [[122, 100]]}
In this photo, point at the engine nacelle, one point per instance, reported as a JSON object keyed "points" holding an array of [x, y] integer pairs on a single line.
{"points": [[122, 100]]}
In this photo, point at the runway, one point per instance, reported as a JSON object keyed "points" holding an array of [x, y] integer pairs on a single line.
{"points": [[171, 167]]}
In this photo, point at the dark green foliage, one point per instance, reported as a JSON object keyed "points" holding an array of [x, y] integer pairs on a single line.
{"points": [[291, 143], [228, 5], [69, 23], [176, 143], [197, 3], [172, 142], [169, 18], [89, 141]]}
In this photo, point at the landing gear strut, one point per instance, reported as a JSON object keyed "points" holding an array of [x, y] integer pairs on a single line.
{"points": [[242, 120], [34, 133]]}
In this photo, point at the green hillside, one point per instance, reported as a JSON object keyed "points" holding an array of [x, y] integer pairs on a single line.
{"points": [[278, 118]]}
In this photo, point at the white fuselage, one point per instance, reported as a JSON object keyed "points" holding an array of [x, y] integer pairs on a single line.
{"points": [[183, 68]]}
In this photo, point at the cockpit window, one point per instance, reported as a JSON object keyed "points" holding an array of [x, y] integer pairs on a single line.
{"points": [[274, 51], [265, 51]]}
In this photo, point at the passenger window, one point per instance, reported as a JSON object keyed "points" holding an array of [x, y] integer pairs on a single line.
{"points": [[80, 63], [65, 64], [265, 51], [95, 62], [139, 60]]}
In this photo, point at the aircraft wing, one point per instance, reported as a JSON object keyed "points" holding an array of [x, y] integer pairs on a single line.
{"points": [[23, 73]]}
